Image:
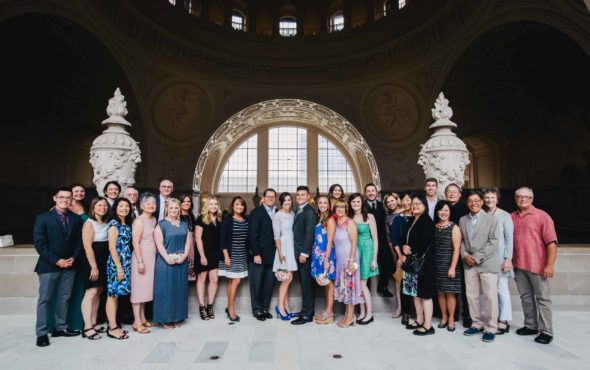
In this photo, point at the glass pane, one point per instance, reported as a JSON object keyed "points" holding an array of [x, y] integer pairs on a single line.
{"points": [[287, 158], [239, 173], [333, 168]]}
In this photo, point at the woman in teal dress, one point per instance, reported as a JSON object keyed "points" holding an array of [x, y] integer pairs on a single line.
{"points": [[322, 257], [173, 242], [367, 245], [118, 263]]}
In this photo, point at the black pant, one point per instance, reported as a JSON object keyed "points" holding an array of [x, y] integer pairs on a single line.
{"points": [[307, 297], [407, 304], [261, 280], [386, 266], [464, 304]]}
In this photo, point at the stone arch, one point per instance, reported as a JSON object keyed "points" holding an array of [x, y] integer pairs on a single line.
{"points": [[484, 166], [283, 112]]}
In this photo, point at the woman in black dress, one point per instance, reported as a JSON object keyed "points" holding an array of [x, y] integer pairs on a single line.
{"points": [[447, 249], [186, 215], [421, 285], [207, 233]]}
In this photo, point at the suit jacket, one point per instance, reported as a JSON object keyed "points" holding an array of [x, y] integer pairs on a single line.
{"points": [[158, 206], [53, 241], [379, 214], [304, 230], [261, 240], [482, 244]]}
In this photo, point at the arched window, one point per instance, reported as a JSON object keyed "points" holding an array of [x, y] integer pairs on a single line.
{"points": [[287, 153], [389, 6], [239, 172], [336, 22], [288, 26], [238, 21]]}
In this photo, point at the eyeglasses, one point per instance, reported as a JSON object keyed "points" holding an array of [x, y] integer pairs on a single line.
{"points": [[524, 197], [473, 201]]}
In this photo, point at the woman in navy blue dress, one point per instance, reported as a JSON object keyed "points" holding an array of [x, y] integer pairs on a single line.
{"points": [[173, 241]]}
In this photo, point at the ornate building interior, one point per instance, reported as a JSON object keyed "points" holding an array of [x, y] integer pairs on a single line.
{"points": [[228, 95]]}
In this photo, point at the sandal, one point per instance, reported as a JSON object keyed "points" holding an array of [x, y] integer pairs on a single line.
{"points": [[210, 313], [203, 313], [100, 329], [121, 337], [442, 325], [141, 329], [168, 326], [94, 336], [149, 324], [344, 324]]}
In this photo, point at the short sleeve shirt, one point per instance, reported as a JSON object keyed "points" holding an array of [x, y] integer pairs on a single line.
{"points": [[533, 231]]}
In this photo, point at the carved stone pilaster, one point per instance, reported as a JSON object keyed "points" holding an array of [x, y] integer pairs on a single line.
{"points": [[114, 154], [444, 156]]}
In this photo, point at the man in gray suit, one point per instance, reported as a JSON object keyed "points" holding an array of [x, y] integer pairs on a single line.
{"points": [[478, 251]]}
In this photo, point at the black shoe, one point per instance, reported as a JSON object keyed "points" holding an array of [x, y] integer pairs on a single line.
{"points": [[260, 316], [302, 320], [413, 326], [366, 322], [503, 330], [405, 319], [43, 341], [65, 333], [422, 333], [384, 292], [233, 319], [526, 331], [544, 338], [467, 322], [267, 315]]}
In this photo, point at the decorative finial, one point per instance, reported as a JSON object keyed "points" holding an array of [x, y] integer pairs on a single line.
{"points": [[117, 109], [441, 108]]}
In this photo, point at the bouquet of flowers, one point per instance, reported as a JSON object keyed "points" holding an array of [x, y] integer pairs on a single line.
{"points": [[322, 279], [282, 273]]}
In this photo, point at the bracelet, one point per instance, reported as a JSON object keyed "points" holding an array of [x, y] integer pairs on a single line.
{"points": [[351, 260], [138, 262]]}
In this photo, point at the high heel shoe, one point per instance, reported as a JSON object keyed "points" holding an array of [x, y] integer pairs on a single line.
{"points": [[504, 330], [342, 323], [210, 313], [234, 319], [203, 313], [324, 319], [362, 322], [280, 315]]}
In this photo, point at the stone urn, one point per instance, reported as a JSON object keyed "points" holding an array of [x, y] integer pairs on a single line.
{"points": [[114, 154], [444, 156]]}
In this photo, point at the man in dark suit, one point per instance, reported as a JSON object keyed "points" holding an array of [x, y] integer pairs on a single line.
{"points": [[262, 253], [166, 188], [57, 236], [303, 236], [458, 210], [132, 196], [384, 256]]}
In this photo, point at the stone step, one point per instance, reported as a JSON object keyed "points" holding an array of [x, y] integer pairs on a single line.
{"points": [[19, 284]]}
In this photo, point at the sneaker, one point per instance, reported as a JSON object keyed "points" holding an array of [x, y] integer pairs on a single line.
{"points": [[472, 331], [488, 337]]}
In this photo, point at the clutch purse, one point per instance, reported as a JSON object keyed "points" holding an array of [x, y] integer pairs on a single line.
{"points": [[174, 256]]}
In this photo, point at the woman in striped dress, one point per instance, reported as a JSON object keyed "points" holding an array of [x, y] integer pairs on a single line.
{"points": [[234, 236], [447, 249]]}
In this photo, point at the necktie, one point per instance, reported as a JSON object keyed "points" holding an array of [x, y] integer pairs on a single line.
{"points": [[373, 206]]}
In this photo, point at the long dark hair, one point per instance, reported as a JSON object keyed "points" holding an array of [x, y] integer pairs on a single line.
{"points": [[439, 205], [331, 191], [364, 211], [113, 213]]}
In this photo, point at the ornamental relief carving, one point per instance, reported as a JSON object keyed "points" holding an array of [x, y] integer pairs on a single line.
{"points": [[391, 113], [287, 110], [182, 111]]}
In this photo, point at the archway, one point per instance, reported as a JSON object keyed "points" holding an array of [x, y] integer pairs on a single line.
{"points": [[484, 168], [284, 112]]}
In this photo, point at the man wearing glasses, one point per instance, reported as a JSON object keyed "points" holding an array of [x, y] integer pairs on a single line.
{"points": [[57, 236], [166, 188], [535, 249]]}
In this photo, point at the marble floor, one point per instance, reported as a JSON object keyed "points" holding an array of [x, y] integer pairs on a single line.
{"points": [[274, 344]]}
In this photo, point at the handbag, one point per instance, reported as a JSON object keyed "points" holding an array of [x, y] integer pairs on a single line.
{"points": [[415, 263]]}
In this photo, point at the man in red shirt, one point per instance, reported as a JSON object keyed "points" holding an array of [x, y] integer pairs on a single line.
{"points": [[535, 249]]}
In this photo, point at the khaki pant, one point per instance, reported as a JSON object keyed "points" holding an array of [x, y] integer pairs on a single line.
{"points": [[483, 313], [535, 296]]}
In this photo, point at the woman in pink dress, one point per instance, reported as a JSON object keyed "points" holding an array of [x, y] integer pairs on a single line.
{"points": [[143, 262]]}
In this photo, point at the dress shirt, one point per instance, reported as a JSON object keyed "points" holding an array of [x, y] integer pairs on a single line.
{"points": [[270, 210]]}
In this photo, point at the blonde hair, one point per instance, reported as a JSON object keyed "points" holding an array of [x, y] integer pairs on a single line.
{"points": [[205, 215], [397, 199], [340, 203], [169, 202]]}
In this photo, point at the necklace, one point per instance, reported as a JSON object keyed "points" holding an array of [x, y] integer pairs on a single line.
{"points": [[174, 222]]}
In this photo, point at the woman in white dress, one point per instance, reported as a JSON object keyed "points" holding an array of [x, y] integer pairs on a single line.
{"points": [[282, 224]]}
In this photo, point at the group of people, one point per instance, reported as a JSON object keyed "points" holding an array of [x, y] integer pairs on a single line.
{"points": [[148, 247]]}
